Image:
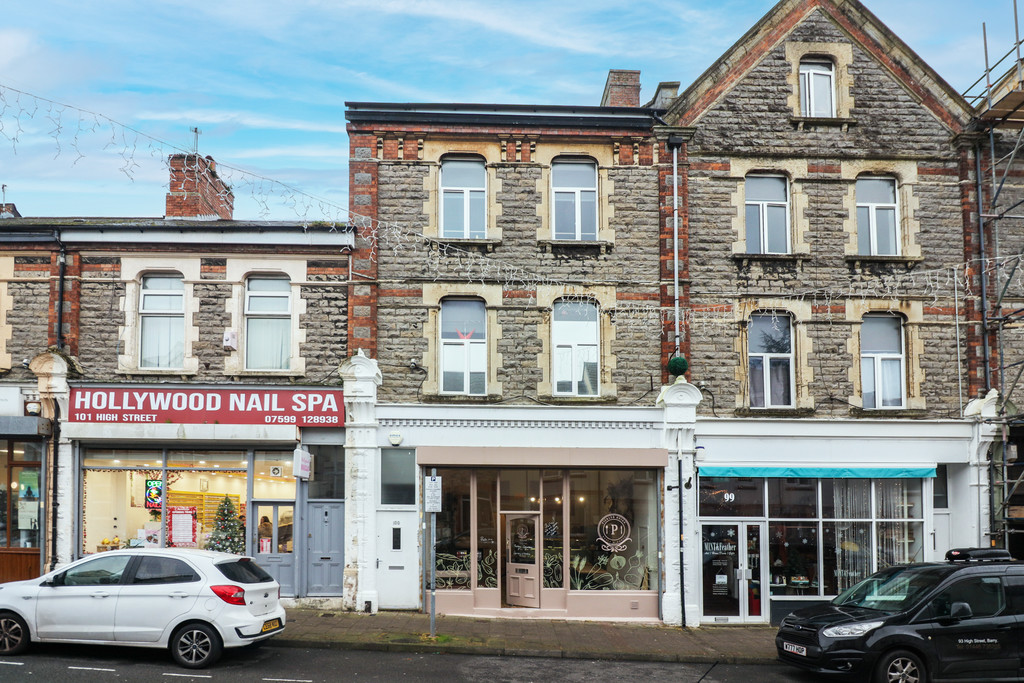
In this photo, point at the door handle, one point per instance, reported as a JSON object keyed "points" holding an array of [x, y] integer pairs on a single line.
{"points": [[101, 594], [179, 594]]}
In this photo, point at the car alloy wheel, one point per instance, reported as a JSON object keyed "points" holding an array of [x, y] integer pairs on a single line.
{"points": [[195, 646], [901, 666], [13, 634]]}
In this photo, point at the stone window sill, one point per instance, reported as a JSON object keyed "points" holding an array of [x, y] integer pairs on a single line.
{"points": [[554, 246], [811, 122], [858, 259], [774, 412], [904, 413], [577, 400], [745, 259], [486, 245]]}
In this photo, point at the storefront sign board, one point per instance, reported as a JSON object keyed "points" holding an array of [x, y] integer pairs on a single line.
{"points": [[124, 405], [432, 493]]}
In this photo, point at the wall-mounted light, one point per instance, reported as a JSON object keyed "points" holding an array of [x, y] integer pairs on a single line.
{"points": [[33, 408]]}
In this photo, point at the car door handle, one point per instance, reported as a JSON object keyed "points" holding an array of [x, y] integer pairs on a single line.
{"points": [[179, 594], [101, 594]]}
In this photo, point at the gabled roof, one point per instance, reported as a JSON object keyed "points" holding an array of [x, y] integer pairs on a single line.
{"points": [[856, 21]]}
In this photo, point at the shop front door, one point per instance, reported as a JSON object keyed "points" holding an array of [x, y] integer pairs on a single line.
{"points": [[522, 572], [732, 572], [325, 548], [274, 546]]}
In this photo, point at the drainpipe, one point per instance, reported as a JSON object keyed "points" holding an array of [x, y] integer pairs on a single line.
{"points": [[54, 504], [62, 268], [984, 260], [675, 141]]}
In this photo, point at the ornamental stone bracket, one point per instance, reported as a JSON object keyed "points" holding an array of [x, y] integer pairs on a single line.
{"points": [[361, 377]]}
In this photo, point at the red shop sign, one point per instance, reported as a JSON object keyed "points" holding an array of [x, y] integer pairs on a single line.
{"points": [[301, 407]]}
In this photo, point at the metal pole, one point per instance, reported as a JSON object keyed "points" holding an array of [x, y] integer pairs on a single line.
{"points": [[956, 328], [675, 240], [682, 536], [433, 568]]}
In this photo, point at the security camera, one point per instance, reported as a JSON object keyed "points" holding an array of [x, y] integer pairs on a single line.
{"points": [[24, 363], [413, 364]]}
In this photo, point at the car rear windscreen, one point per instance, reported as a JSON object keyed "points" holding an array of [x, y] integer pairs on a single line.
{"points": [[244, 571]]}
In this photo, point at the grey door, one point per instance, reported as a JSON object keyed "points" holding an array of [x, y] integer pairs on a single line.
{"points": [[325, 549]]}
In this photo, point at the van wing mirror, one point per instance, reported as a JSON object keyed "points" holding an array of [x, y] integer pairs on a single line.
{"points": [[960, 610]]}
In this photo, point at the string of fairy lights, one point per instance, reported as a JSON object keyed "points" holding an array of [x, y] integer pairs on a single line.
{"points": [[23, 115]]}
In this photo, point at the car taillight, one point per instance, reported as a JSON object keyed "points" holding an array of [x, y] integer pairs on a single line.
{"points": [[233, 595]]}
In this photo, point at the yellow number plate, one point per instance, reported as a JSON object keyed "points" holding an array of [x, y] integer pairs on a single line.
{"points": [[270, 625]]}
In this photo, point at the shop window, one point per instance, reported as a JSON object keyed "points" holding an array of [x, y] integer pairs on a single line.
{"points": [[274, 533], [328, 480], [574, 189], [877, 217], [463, 347], [882, 366], [487, 534], [20, 494], [574, 332], [793, 498], [397, 476], [731, 497], [554, 528], [793, 558], [817, 88], [520, 490], [272, 475], [613, 518], [463, 198], [770, 360], [162, 322], [767, 214], [268, 323], [139, 499], [454, 545], [846, 498], [846, 554]]}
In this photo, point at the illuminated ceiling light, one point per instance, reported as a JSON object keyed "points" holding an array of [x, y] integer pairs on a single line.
{"points": [[116, 462], [581, 499], [202, 462]]}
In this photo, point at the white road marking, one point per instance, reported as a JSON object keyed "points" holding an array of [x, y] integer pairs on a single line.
{"points": [[290, 680], [13, 663], [188, 675], [88, 668]]}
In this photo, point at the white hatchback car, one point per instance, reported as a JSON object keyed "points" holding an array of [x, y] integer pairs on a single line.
{"points": [[194, 602]]}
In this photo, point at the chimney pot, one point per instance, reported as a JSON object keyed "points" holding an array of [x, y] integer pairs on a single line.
{"points": [[622, 89]]}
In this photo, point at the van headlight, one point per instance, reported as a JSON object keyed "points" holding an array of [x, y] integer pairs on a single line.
{"points": [[851, 630]]}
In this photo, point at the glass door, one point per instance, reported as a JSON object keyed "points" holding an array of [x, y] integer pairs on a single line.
{"points": [[732, 572], [273, 541]]}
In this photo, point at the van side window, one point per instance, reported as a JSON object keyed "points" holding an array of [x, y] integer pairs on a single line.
{"points": [[983, 594], [1015, 593]]}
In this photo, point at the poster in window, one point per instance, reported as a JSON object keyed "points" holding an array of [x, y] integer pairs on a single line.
{"points": [[182, 527]]}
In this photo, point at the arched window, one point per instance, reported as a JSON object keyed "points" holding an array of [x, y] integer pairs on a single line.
{"points": [[817, 88], [770, 361], [878, 217], [463, 347], [574, 340], [463, 198], [574, 209], [767, 214], [268, 323], [882, 366], [162, 321]]}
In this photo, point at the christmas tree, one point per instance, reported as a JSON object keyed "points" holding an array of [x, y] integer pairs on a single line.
{"points": [[228, 533]]}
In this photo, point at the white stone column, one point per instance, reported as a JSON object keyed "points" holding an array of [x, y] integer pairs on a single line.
{"points": [[51, 371], [682, 577], [362, 377]]}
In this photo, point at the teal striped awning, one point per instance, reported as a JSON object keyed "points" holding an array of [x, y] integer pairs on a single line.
{"points": [[820, 472]]}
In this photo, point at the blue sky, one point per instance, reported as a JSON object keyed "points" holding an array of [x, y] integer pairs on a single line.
{"points": [[266, 82]]}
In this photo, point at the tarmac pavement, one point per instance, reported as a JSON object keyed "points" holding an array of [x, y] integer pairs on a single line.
{"points": [[410, 632]]}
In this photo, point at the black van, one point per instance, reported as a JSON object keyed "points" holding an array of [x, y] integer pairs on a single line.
{"points": [[959, 620]]}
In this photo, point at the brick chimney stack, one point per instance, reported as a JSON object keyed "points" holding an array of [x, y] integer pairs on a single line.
{"points": [[196, 191], [622, 89], [8, 210]]}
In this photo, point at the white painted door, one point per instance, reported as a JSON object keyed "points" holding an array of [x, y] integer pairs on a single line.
{"points": [[398, 571]]}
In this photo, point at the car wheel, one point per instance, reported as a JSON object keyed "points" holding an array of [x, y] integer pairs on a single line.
{"points": [[13, 634], [195, 646], [900, 666]]}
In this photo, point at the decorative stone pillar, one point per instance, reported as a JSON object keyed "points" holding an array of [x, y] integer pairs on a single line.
{"points": [[681, 598], [361, 377], [985, 413], [51, 371]]}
